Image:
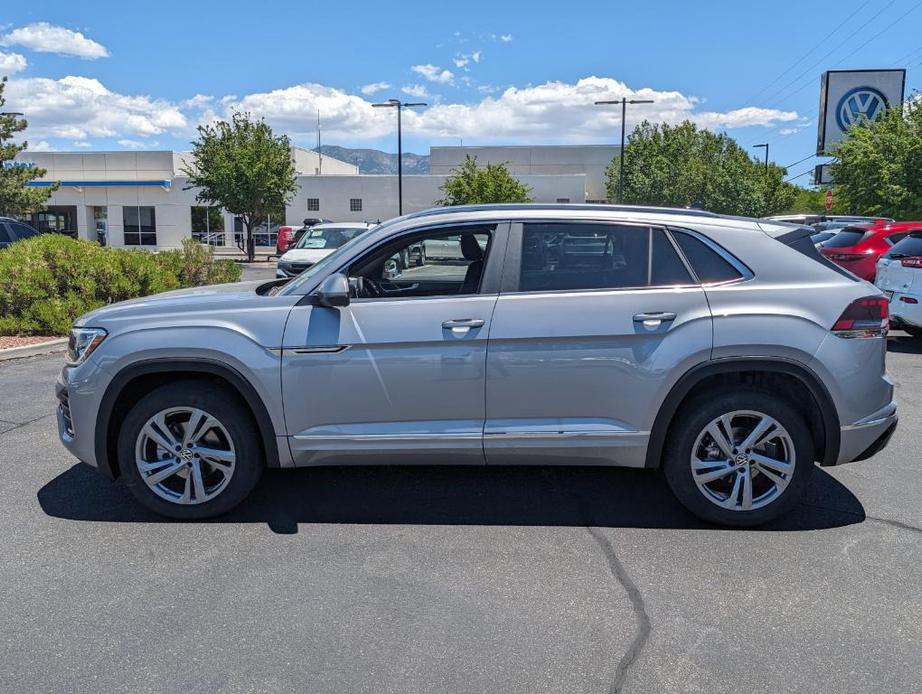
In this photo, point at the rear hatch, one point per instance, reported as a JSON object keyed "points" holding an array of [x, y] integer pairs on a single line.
{"points": [[900, 269]]}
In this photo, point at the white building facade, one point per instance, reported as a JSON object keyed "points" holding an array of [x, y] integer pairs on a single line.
{"points": [[142, 198]]}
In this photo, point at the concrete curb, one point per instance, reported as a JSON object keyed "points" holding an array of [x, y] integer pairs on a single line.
{"points": [[49, 347]]}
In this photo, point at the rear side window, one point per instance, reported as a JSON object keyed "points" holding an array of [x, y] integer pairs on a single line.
{"points": [[567, 256], [910, 246], [21, 231], [705, 261], [849, 236]]}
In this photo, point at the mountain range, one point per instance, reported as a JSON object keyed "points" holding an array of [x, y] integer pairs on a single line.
{"points": [[374, 161]]}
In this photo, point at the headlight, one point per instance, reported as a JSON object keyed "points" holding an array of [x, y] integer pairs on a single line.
{"points": [[83, 342]]}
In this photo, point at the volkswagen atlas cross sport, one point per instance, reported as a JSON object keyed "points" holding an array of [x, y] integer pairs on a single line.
{"points": [[724, 351]]}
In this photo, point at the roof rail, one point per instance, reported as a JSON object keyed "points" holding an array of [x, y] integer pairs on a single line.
{"points": [[561, 206]]}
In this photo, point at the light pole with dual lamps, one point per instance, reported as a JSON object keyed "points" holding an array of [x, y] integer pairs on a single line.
{"points": [[399, 105], [624, 102]]}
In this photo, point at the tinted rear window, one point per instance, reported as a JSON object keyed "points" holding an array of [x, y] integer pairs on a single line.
{"points": [[847, 237], [705, 261], [909, 246]]}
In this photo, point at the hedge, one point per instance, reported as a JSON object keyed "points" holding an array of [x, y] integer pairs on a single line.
{"points": [[49, 280]]}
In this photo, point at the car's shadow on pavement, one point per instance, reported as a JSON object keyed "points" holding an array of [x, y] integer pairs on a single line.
{"points": [[528, 496], [904, 343]]}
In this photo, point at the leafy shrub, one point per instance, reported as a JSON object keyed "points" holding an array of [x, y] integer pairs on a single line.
{"points": [[49, 280]]}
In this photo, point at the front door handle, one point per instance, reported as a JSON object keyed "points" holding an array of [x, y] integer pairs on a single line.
{"points": [[463, 323], [653, 319]]}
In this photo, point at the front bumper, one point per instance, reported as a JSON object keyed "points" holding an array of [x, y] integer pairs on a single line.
{"points": [[867, 437], [78, 403]]}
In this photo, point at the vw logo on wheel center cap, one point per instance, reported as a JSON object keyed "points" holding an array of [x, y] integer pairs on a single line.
{"points": [[186, 455], [742, 459]]}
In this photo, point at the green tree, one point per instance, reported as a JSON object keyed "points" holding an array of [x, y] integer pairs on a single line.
{"points": [[16, 199], [682, 166], [878, 166], [244, 168], [470, 184]]}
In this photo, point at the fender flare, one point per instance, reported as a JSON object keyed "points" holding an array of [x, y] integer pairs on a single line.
{"points": [[101, 442], [682, 387]]}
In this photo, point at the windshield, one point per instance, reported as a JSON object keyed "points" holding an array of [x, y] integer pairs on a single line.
{"points": [[328, 238]]}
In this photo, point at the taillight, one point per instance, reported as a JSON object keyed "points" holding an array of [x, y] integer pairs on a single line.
{"points": [[866, 317], [914, 261], [845, 256]]}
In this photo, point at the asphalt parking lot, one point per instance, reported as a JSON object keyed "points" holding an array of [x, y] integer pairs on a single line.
{"points": [[454, 579]]}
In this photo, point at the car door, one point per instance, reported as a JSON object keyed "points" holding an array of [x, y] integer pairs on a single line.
{"points": [[398, 375], [594, 324]]}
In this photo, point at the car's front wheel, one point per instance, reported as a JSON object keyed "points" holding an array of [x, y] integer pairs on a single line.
{"points": [[189, 450], [738, 458]]}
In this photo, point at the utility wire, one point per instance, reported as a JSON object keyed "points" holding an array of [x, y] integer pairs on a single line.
{"points": [[800, 161]]}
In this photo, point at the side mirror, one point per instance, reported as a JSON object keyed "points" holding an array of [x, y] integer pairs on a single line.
{"points": [[333, 291]]}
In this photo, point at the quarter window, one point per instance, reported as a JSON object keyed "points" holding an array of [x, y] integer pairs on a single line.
{"points": [[140, 226], [705, 261], [560, 257]]}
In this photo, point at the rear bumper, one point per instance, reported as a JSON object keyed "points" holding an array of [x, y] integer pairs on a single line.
{"points": [[867, 437], [903, 314]]}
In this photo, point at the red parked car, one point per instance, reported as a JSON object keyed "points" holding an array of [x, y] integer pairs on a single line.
{"points": [[858, 248]]}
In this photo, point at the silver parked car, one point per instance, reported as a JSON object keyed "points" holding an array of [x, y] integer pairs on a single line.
{"points": [[724, 351]]}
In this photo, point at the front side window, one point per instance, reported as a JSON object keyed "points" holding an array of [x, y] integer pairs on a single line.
{"points": [[438, 263], [579, 256], [140, 226]]}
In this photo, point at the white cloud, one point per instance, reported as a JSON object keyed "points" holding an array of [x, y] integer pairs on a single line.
{"points": [[434, 73], [475, 56], [81, 107], [11, 63], [417, 90], [137, 144], [463, 59], [83, 144], [199, 101], [48, 38], [506, 38], [375, 87], [460, 61], [41, 146]]}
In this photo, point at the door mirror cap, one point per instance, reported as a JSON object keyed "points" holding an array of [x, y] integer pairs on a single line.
{"points": [[333, 291]]}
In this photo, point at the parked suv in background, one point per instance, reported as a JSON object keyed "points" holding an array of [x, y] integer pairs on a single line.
{"points": [[721, 350], [858, 248], [317, 243], [290, 235], [12, 230], [899, 275]]}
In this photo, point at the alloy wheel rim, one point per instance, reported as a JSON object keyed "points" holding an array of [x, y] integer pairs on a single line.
{"points": [[185, 455], [743, 460]]}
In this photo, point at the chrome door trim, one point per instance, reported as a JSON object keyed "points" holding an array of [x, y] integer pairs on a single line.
{"points": [[313, 349]]}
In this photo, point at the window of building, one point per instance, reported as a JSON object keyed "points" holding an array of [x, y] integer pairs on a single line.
{"points": [[355, 204], [705, 261], [265, 232], [58, 218], [563, 200], [559, 257], [313, 204], [208, 225], [140, 226], [597, 202]]}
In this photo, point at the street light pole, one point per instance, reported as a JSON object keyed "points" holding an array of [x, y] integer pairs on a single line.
{"points": [[765, 145], [624, 102], [399, 105]]}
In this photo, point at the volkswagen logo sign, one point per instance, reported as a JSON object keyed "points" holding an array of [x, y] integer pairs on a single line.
{"points": [[859, 104]]}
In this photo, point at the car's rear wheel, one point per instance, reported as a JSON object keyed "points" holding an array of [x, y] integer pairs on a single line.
{"points": [[913, 330], [738, 459], [189, 450]]}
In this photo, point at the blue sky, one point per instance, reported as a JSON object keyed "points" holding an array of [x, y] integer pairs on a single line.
{"points": [[111, 75]]}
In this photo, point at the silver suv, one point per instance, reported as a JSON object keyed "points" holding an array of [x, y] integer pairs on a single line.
{"points": [[724, 351]]}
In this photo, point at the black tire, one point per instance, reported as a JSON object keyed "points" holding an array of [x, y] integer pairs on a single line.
{"points": [[913, 331], [222, 403], [692, 419]]}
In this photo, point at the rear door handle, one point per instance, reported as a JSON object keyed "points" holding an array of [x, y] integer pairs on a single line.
{"points": [[653, 318], [459, 323]]}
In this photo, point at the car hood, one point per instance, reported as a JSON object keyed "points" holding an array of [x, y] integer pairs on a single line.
{"points": [[305, 255], [192, 305]]}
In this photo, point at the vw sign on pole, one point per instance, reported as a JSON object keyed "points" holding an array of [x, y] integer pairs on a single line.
{"points": [[852, 96]]}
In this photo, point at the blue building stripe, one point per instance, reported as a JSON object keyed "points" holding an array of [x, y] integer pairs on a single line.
{"points": [[165, 183]]}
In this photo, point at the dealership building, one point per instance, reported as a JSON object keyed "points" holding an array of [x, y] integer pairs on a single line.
{"points": [[143, 199]]}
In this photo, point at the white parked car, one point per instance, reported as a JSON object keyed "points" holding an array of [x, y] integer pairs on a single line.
{"points": [[899, 275], [316, 244]]}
